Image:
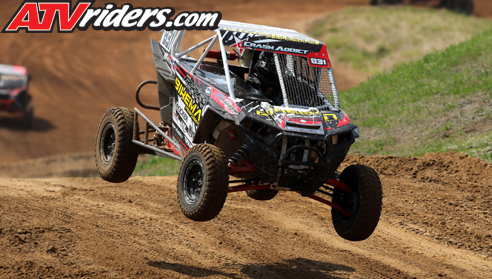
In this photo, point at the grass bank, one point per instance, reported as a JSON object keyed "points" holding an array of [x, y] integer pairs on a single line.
{"points": [[442, 102]]}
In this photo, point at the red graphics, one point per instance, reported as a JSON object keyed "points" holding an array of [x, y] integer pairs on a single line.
{"points": [[225, 102], [319, 59], [344, 121]]}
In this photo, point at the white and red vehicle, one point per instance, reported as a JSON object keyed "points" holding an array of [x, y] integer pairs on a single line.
{"points": [[257, 110], [15, 99]]}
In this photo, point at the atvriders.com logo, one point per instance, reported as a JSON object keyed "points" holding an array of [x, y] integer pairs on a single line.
{"points": [[40, 17]]}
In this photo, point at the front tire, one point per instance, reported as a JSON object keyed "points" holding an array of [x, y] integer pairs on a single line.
{"points": [[116, 155], [465, 7], [203, 182], [364, 203]]}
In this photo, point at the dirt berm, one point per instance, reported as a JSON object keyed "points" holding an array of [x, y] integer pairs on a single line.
{"points": [[436, 222]]}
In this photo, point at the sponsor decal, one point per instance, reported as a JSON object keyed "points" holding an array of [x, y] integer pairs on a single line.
{"points": [[272, 36], [40, 17], [274, 48], [328, 117], [177, 131], [181, 114], [344, 121], [191, 106], [167, 40], [226, 103], [273, 111], [178, 138], [186, 124], [192, 87]]}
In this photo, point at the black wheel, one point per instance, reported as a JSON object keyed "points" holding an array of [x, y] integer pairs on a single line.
{"points": [[384, 2], [460, 6], [116, 155], [464, 7], [203, 182], [262, 194], [28, 117], [364, 203]]}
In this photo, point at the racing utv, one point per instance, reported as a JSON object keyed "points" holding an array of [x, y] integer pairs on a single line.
{"points": [[15, 99], [256, 110]]}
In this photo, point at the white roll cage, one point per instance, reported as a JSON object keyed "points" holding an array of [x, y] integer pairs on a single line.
{"points": [[175, 45]]}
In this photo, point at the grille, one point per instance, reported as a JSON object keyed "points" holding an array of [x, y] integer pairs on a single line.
{"points": [[305, 85], [4, 94]]}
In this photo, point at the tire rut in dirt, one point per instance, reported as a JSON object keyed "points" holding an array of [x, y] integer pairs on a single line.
{"points": [[211, 182], [365, 202], [116, 155]]}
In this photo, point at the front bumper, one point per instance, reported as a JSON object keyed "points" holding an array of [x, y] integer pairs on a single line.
{"points": [[11, 106], [298, 161]]}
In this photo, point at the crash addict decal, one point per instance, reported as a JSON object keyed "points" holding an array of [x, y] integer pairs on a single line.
{"points": [[296, 44], [273, 48], [40, 17], [191, 106]]}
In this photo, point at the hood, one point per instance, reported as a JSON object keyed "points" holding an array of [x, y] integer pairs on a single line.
{"points": [[301, 120], [12, 70]]}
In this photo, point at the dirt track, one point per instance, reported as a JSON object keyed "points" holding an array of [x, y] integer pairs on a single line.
{"points": [[436, 222]]}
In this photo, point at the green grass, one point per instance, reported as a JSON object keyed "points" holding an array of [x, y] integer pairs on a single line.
{"points": [[442, 102], [371, 39], [156, 166]]}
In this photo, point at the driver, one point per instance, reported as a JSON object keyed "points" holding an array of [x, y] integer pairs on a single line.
{"points": [[265, 78]]}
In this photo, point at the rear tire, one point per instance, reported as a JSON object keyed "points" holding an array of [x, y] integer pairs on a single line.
{"points": [[384, 2], [203, 182], [364, 203], [465, 7], [116, 155], [262, 194], [459, 6]]}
